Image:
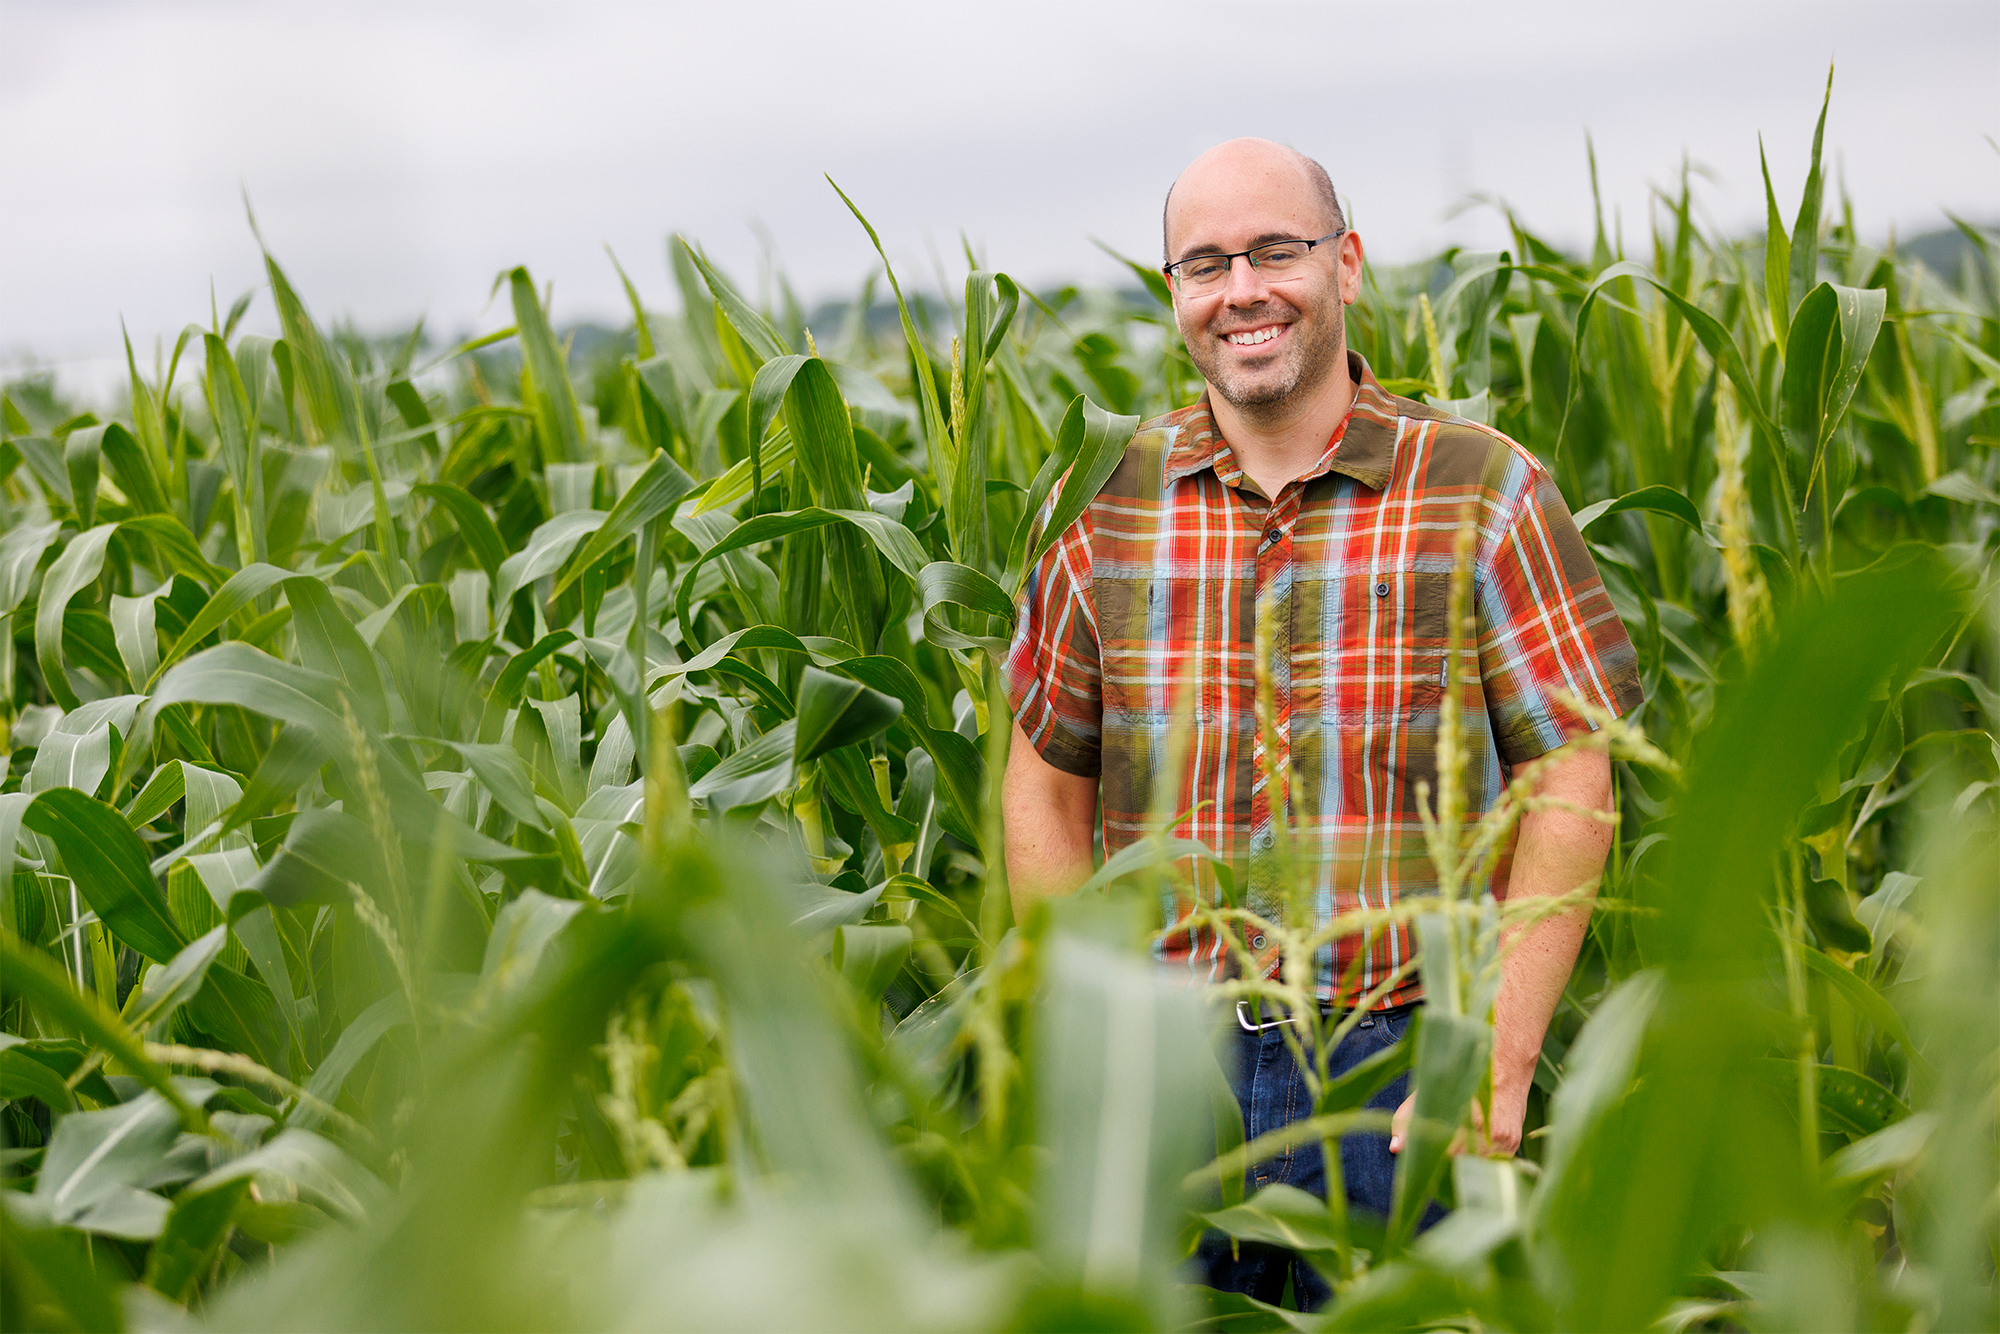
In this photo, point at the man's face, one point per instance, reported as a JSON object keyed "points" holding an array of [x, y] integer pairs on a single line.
{"points": [[1260, 339]]}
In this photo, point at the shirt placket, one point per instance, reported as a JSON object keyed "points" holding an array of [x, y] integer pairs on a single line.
{"points": [[1276, 570]]}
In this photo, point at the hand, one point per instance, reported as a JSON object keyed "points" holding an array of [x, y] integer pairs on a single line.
{"points": [[1510, 1109]]}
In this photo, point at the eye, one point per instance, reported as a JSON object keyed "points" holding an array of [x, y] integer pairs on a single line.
{"points": [[1279, 255], [1204, 268]]}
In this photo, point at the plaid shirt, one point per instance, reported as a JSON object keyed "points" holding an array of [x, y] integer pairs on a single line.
{"points": [[1145, 611]]}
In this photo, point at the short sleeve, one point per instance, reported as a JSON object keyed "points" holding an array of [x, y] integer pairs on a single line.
{"points": [[1548, 630], [1052, 671]]}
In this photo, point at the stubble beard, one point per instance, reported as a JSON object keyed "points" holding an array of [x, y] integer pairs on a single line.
{"points": [[1307, 366]]}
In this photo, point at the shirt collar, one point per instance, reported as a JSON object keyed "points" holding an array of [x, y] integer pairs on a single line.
{"points": [[1363, 445]]}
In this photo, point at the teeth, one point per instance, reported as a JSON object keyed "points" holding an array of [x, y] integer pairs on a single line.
{"points": [[1255, 336]]}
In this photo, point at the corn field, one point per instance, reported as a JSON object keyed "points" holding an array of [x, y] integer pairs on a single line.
{"points": [[504, 838]]}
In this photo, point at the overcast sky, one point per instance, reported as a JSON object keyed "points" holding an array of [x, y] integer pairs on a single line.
{"points": [[400, 155]]}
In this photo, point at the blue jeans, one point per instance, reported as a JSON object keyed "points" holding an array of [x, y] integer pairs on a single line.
{"points": [[1272, 1093]]}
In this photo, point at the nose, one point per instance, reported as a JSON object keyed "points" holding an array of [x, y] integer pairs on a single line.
{"points": [[1246, 286]]}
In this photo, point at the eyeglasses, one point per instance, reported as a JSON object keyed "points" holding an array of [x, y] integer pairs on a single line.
{"points": [[1199, 273]]}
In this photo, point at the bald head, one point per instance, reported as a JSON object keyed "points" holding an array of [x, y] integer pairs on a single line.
{"points": [[1229, 167]]}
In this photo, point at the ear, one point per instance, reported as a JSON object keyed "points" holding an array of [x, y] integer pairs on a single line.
{"points": [[1349, 263]]}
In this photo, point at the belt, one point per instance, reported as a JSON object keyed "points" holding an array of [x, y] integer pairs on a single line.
{"points": [[1367, 1020]]}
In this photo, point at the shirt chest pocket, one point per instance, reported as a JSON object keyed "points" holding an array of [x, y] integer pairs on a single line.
{"points": [[1152, 669], [1402, 626]]}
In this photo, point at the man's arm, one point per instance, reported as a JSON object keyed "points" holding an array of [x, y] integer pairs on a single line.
{"points": [[1049, 816], [1558, 851]]}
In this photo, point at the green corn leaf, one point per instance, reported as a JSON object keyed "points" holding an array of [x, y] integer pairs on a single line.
{"points": [[22, 1076], [728, 490], [97, 1162], [229, 406], [1804, 250], [294, 756], [1092, 442], [820, 651], [74, 570], [1833, 333], [823, 439], [1652, 500], [1857, 1103], [475, 525], [503, 773], [959, 766], [548, 547], [1888, 1150], [752, 773], [168, 988], [243, 589], [656, 493], [320, 378], [1867, 1002], [513, 680], [1148, 853], [299, 1165], [239, 674], [324, 852], [1721, 346], [134, 625], [157, 796], [359, 1038], [328, 643], [869, 955], [21, 550], [552, 396], [890, 538], [1623, 269], [108, 863], [226, 877], [1777, 255], [179, 552], [1281, 1215], [83, 459], [755, 331], [642, 329], [1451, 1056], [943, 584], [45, 460], [836, 711], [767, 398], [1149, 277], [32, 974], [937, 436], [409, 405], [191, 1238], [241, 1013]]}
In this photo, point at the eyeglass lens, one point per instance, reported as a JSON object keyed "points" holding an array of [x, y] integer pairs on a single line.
{"points": [[1208, 270]]}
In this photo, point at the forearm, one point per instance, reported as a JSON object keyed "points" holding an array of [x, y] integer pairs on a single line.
{"points": [[1045, 859], [1559, 852], [1049, 817]]}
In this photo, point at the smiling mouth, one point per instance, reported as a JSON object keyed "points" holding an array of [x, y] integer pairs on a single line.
{"points": [[1255, 337]]}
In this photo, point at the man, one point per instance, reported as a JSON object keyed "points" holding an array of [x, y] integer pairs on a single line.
{"points": [[1298, 491]]}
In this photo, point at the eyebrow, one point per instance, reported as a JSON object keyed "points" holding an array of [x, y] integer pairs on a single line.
{"points": [[1264, 238]]}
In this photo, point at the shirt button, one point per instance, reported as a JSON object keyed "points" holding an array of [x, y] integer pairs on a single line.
{"points": [[1381, 590], [1273, 537], [1257, 941]]}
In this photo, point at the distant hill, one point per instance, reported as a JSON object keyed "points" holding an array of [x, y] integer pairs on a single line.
{"points": [[1943, 252]]}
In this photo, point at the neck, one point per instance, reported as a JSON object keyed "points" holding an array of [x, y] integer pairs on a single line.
{"points": [[1277, 442]]}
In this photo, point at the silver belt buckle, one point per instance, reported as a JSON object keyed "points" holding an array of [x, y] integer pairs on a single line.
{"points": [[1243, 1018]]}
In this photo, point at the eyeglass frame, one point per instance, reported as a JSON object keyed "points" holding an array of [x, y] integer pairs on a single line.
{"points": [[1234, 255]]}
